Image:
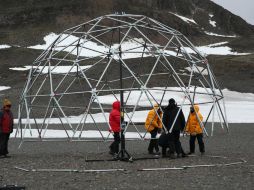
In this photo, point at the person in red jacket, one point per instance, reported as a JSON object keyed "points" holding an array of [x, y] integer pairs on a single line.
{"points": [[6, 127], [114, 121]]}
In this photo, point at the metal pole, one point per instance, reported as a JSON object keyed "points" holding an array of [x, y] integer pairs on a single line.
{"points": [[123, 154]]}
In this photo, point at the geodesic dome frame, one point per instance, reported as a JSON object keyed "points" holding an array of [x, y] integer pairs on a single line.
{"points": [[157, 63]]}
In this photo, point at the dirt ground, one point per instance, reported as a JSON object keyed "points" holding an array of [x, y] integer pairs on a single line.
{"points": [[237, 145]]}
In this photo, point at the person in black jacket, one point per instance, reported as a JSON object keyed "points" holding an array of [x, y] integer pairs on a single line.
{"points": [[169, 116]]}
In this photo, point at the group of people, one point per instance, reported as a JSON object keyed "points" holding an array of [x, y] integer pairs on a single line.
{"points": [[173, 120]]}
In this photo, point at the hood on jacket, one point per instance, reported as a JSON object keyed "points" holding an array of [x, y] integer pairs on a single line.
{"points": [[156, 107], [116, 105], [6, 102], [171, 104], [196, 108]]}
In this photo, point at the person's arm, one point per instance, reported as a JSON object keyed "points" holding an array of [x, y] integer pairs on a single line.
{"points": [[182, 120], [200, 116], [187, 126], [159, 121], [154, 120], [165, 120], [117, 118], [1, 117]]}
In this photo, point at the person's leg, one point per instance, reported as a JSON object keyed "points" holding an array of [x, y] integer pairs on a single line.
{"points": [[117, 142], [152, 143], [172, 148], [150, 146], [164, 151], [156, 144], [192, 143], [179, 149], [177, 142], [1, 144], [112, 146], [201, 143], [7, 136]]}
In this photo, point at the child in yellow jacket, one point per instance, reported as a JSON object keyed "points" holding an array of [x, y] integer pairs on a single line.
{"points": [[153, 125], [195, 130]]}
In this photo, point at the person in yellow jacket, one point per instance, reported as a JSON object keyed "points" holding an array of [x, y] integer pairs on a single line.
{"points": [[195, 130], [153, 125]]}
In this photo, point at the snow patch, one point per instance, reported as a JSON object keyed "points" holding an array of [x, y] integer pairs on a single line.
{"points": [[197, 70], [217, 44], [215, 49], [240, 107], [25, 68], [68, 43], [213, 23], [54, 70], [4, 88], [185, 19], [131, 49], [4, 46], [50, 133], [220, 35]]}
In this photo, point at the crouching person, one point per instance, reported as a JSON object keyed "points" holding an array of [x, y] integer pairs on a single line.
{"points": [[153, 125], [114, 121], [6, 127], [195, 130]]}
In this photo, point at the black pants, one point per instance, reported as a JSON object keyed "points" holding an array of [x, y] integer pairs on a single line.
{"points": [[114, 147], [200, 143], [4, 138], [153, 142], [177, 143], [170, 144]]}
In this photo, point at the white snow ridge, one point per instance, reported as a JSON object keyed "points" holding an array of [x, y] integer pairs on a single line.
{"points": [[54, 70], [4, 88], [4, 46], [131, 48], [185, 19], [220, 35]]}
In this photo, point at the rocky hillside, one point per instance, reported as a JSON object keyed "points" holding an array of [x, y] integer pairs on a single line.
{"points": [[25, 22]]}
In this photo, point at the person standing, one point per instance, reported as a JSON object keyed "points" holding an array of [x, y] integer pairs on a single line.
{"points": [[153, 125], [195, 130], [114, 122], [173, 115], [6, 127]]}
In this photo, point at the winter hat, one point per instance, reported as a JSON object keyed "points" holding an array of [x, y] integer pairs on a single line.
{"points": [[171, 101], [6, 102]]}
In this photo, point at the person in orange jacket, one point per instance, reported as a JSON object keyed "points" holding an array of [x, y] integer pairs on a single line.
{"points": [[195, 130], [153, 125]]}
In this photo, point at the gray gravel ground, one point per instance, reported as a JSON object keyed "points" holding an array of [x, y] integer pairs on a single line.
{"points": [[239, 143]]}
